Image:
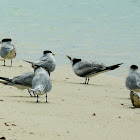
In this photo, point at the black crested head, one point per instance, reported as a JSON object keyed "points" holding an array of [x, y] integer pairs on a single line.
{"points": [[6, 40], [134, 67], [76, 60], [47, 51]]}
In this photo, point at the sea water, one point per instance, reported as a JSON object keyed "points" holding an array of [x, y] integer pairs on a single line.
{"points": [[105, 31]]}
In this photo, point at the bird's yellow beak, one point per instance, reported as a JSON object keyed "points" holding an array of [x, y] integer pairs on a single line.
{"points": [[68, 57], [0, 42], [53, 53]]}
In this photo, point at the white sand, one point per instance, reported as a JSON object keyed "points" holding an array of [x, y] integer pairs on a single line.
{"points": [[69, 113]]}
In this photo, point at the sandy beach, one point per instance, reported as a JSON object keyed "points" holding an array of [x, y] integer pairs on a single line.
{"points": [[100, 110]]}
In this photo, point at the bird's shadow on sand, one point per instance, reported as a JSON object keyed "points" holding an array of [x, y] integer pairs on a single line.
{"points": [[93, 85], [34, 101], [40, 102], [6, 66], [124, 98], [82, 84], [132, 107], [20, 96]]}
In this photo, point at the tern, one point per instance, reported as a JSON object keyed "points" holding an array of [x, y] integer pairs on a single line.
{"points": [[88, 69], [133, 84], [41, 83], [8, 50], [47, 61], [133, 79], [23, 81]]}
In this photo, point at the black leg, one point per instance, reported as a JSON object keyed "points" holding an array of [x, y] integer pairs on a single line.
{"points": [[4, 62], [11, 62], [46, 97], [29, 92], [37, 99], [34, 94], [87, 80]]}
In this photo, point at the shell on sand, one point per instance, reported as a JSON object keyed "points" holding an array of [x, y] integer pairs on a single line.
{"points": [[135, 99]]}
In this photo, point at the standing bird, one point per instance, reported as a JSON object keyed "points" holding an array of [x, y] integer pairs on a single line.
{"points": [[47, 61], [23, 81], [133, 84], [41, 83], [88, 69], [133, 79], [7, 51]]}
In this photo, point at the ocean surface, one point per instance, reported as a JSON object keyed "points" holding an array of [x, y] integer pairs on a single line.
{"points": [[106, 31]]}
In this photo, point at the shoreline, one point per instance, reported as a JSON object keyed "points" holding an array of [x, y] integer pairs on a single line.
{"points": [[119, 72]]}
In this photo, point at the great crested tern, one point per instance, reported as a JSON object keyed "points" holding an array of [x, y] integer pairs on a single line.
{"points": [[41, 83], [23, 81], [133, 84], [88, 69], [47, 61], [8, 50], [133, 79]]}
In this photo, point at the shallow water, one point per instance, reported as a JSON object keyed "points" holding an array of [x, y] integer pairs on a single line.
{"points": [[105, 31]]}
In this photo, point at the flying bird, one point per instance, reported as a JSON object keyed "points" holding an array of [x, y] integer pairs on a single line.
{"points": [[47, 61], [41, 83], [7, 50], [88, 69]]}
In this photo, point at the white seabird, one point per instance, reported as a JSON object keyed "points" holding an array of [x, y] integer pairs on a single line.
{"points": [[23, 81], [41, 83], [133, 79], [133, 84], [8, 50], [47, 61], [88, 69]]}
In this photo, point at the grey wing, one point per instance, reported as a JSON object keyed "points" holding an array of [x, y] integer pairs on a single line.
{"points": [[42, 83], [5, 50], [42, 61], [24, 79], [14, 50], [46, 82], [85, 68], [48, 85], [46, 63], [133, 82], [138, 79]]}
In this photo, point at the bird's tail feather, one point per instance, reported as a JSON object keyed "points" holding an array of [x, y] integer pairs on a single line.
{"points": [[6, 79], [113, 66], [28, 61]]}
